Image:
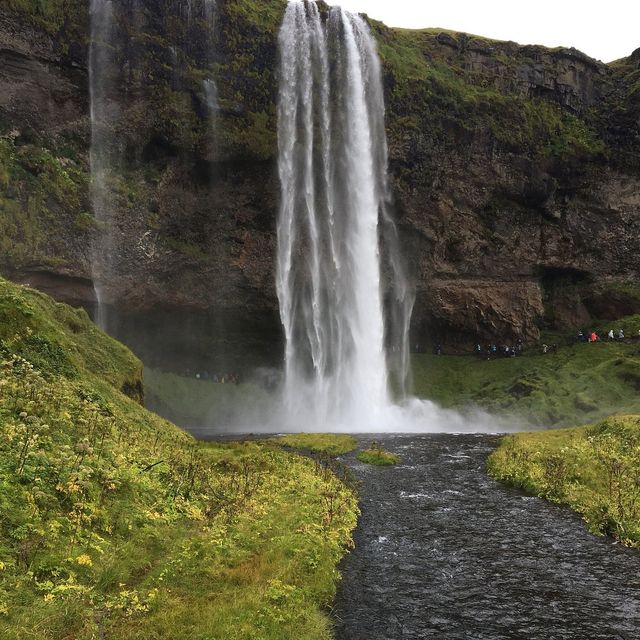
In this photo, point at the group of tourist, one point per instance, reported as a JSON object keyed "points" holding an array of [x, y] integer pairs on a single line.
{"points": [[594, 337], [227, 378], [494, 351]]}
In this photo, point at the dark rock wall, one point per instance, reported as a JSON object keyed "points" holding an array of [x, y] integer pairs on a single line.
{"points": [[516, 171]]}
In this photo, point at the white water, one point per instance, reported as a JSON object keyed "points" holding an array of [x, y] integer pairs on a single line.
{"points": [[209, 84], [102, 114], [332, 166], [210, 11], [211, 95]]}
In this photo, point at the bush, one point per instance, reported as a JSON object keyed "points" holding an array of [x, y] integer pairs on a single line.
{"points": [[378, 456]]}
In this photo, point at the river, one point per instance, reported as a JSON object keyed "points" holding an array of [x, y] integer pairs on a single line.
{"points": [[443, 551]]}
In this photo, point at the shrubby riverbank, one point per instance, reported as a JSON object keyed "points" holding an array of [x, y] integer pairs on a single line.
{"points": [[115, 523], [594, 469]]}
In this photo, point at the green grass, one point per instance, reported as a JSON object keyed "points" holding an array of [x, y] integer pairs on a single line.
{"points": [[592, 469], [59, 340], [115, 523], [581, 383], [377, 456], [329, 443], [50, 15]]}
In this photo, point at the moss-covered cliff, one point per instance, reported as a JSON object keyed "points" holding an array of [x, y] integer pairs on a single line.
{"points": [[515, 168]]}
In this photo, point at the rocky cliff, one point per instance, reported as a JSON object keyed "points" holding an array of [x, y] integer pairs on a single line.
{"points": [[515, 171]]}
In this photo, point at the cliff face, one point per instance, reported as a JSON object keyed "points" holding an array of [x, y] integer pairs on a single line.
{"points": [[515, 170]]}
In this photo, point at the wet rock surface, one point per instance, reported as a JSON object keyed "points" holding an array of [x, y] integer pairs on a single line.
{"points": [[443, 551]]}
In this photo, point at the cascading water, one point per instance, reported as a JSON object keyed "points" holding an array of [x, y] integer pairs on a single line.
{"points": [[209, 84], [210, 11], [100, 89], [333, 173]]}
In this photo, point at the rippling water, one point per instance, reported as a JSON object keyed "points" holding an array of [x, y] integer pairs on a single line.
{"points": [[442, 551]]}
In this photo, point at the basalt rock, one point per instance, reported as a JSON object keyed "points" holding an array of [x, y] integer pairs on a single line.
{"points": [[515, 171]]}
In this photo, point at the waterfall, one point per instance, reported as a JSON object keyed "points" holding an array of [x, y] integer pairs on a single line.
{"points": [[101, 67], [211, 95], [209, 84], [210, 11], [333, 224]]}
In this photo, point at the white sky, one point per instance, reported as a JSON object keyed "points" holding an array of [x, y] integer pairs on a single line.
{"points": [[604, 29]]}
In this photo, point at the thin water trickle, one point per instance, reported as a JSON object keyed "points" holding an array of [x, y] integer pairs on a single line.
{"points": [[211, 94], [209, 84], [101, 65]]}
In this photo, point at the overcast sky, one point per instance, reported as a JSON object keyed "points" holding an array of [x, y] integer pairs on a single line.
{"points": [[604, 29]]}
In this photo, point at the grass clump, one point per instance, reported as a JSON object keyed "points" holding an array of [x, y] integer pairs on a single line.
{"points": [[375, 454], [329, 443], [593, 469], [60, 341], [67, 20], [115, 523]]}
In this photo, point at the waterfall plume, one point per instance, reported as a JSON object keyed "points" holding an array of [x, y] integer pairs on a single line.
{"points": [[333, 224]]}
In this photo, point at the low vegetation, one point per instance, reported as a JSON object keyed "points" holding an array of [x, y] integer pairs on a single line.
{"points": [[114, 523], [594, 469], [376, 455], [329, 443], [54, 17], [455, 94]]}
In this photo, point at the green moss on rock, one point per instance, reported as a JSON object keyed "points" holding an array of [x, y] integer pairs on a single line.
{"points": [[41, 195]]}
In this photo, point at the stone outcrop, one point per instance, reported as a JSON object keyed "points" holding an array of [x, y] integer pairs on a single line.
{"points": [[515, 172]]}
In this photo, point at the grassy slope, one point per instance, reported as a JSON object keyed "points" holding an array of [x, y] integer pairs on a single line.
{"points": [[593, 469], [96, 542], [197, 402], [580, 383]]}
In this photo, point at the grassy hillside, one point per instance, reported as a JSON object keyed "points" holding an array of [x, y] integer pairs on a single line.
{"points": [[114, 523], [594, 469], [580, 383]]}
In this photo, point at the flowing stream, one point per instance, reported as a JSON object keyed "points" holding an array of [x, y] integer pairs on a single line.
{"points": [[443, 551]]}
